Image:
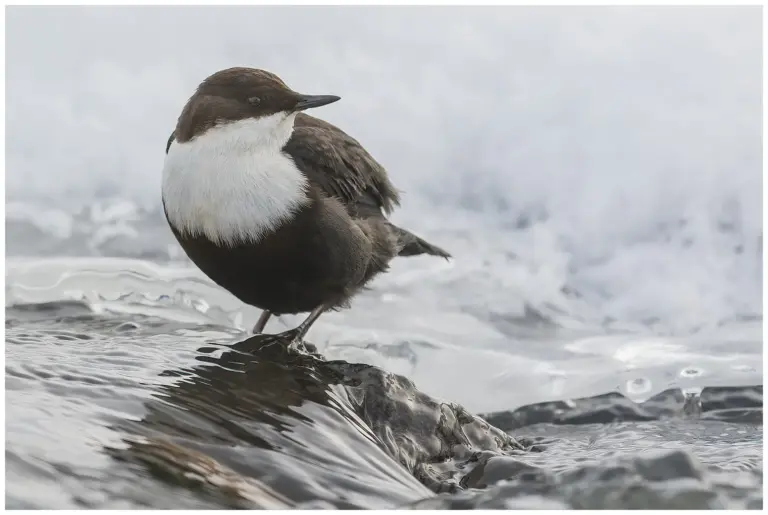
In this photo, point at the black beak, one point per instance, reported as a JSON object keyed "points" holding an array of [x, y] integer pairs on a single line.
{"points": [[310, 101]]}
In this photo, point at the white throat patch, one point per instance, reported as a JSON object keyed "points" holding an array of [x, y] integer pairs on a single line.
{"points": [[233, 183]]}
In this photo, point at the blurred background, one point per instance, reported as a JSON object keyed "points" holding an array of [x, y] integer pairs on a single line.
{"points": [[597, 169]]}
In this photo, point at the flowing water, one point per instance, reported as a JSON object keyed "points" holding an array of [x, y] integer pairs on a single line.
{"points": [[595, 343]]}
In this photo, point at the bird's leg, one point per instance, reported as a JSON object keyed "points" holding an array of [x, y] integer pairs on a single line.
{"points": [[297, 335], [307, 323], [262, 322]]}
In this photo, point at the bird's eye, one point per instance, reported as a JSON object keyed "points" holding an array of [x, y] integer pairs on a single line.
{"points": [[254, 101]]}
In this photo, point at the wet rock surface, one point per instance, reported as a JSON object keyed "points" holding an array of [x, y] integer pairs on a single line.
{"points": [[237, 406], [665, 480], [252, 425], [734, 403]]}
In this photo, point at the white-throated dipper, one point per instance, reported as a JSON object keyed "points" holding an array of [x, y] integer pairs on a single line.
{"points": [[283, 210]]}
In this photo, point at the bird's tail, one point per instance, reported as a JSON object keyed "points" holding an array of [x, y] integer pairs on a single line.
{"points": [[412, 245]]}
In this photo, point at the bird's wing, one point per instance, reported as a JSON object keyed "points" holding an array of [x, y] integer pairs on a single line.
{"points": [[338, 165]]}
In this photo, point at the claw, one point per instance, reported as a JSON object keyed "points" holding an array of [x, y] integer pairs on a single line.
{"points": [[295, 341]]}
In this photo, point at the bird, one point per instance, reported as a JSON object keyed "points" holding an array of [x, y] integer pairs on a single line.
{"points": [[284, 210]]}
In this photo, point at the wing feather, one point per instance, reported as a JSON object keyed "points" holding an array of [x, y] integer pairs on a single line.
{"points": [[338, 165]]}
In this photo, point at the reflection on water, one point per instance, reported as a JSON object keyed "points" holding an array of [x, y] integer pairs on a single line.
{"points": [[312, 429], [157, 413]]}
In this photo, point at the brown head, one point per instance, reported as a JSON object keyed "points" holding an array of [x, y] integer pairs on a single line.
{"points": [[238, 93]]}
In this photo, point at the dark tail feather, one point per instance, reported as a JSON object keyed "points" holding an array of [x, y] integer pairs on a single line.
{"points": [[413, 245]]}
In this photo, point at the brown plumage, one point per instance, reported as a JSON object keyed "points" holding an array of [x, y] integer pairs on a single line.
{"points": [[334, 243]]}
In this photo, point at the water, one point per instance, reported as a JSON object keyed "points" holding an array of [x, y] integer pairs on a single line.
{"points": [[602, 315], [152, 412]]}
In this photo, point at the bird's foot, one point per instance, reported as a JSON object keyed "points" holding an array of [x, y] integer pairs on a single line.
{"points": [[288, 342], [293, 341], [296, 342]]}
